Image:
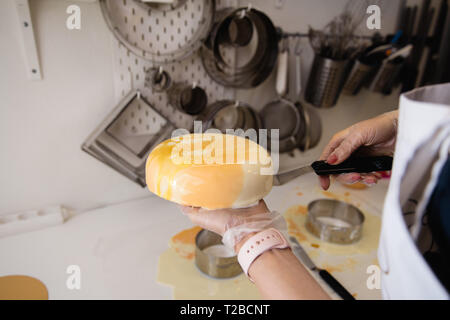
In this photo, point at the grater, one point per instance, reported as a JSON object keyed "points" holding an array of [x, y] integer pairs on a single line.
{"points": [[126, 136]]}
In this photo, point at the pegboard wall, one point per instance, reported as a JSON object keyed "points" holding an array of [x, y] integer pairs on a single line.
{"points": [[163, 30], [290, 15]]}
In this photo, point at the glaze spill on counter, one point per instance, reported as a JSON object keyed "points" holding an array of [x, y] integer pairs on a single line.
{"points": [[176, 268], [369, 241]]}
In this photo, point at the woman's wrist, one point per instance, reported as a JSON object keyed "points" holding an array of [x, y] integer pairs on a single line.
{"points": [[240, 227], [239, 244], [257, 244]]}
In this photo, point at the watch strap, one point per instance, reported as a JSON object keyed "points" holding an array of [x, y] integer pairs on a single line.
{"points": [[259, 243]]}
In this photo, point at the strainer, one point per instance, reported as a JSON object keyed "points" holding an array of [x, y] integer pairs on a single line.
{"points": [[288, 117]]}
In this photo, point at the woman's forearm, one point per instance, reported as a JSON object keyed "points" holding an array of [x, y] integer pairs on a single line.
{"points": [[279, 275]]}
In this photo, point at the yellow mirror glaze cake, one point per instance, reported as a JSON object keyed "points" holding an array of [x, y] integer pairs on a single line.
{"points": [[210, 170]]}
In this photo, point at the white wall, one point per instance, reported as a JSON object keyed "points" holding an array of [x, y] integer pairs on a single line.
{"points": [[43, 123]]}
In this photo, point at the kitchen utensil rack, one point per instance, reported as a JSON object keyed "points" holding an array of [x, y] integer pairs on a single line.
{"points": [[130, 70]]}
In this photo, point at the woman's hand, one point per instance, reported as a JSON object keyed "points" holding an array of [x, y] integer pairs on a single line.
{"points": [[221, 220], [371, 137], [277, 273]]}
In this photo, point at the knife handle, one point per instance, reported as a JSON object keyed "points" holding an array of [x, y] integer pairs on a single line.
{"points": [[354, 164], [335, 285]]}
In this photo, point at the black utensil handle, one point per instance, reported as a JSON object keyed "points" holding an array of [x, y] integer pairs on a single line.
{"points": [[335, 285], [354, 164]]}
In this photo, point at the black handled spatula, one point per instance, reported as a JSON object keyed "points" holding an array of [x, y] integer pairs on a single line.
{"points": [[352, 164]]}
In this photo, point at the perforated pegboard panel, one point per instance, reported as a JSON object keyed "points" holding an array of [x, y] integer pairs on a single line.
{"points": [[130, 70], [137, 125]]}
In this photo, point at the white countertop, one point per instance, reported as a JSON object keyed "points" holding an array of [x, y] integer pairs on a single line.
{"points": [[117, 247]]}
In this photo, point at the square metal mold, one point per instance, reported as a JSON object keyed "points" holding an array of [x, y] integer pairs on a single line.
{"points": [[127, 135]]}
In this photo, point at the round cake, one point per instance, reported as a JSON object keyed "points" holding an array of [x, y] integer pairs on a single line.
{"points": [[210, 170]]}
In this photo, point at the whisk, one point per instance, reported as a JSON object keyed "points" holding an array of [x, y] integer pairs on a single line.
{"points": [[337, 40], [356, 10]]}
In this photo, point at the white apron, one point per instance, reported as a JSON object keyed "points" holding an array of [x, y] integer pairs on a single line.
{"points": [[422, 148]]}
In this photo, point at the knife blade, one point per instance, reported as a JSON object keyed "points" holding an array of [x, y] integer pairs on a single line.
{"points": [[352, 164], [285, 177], [301, 254]]}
